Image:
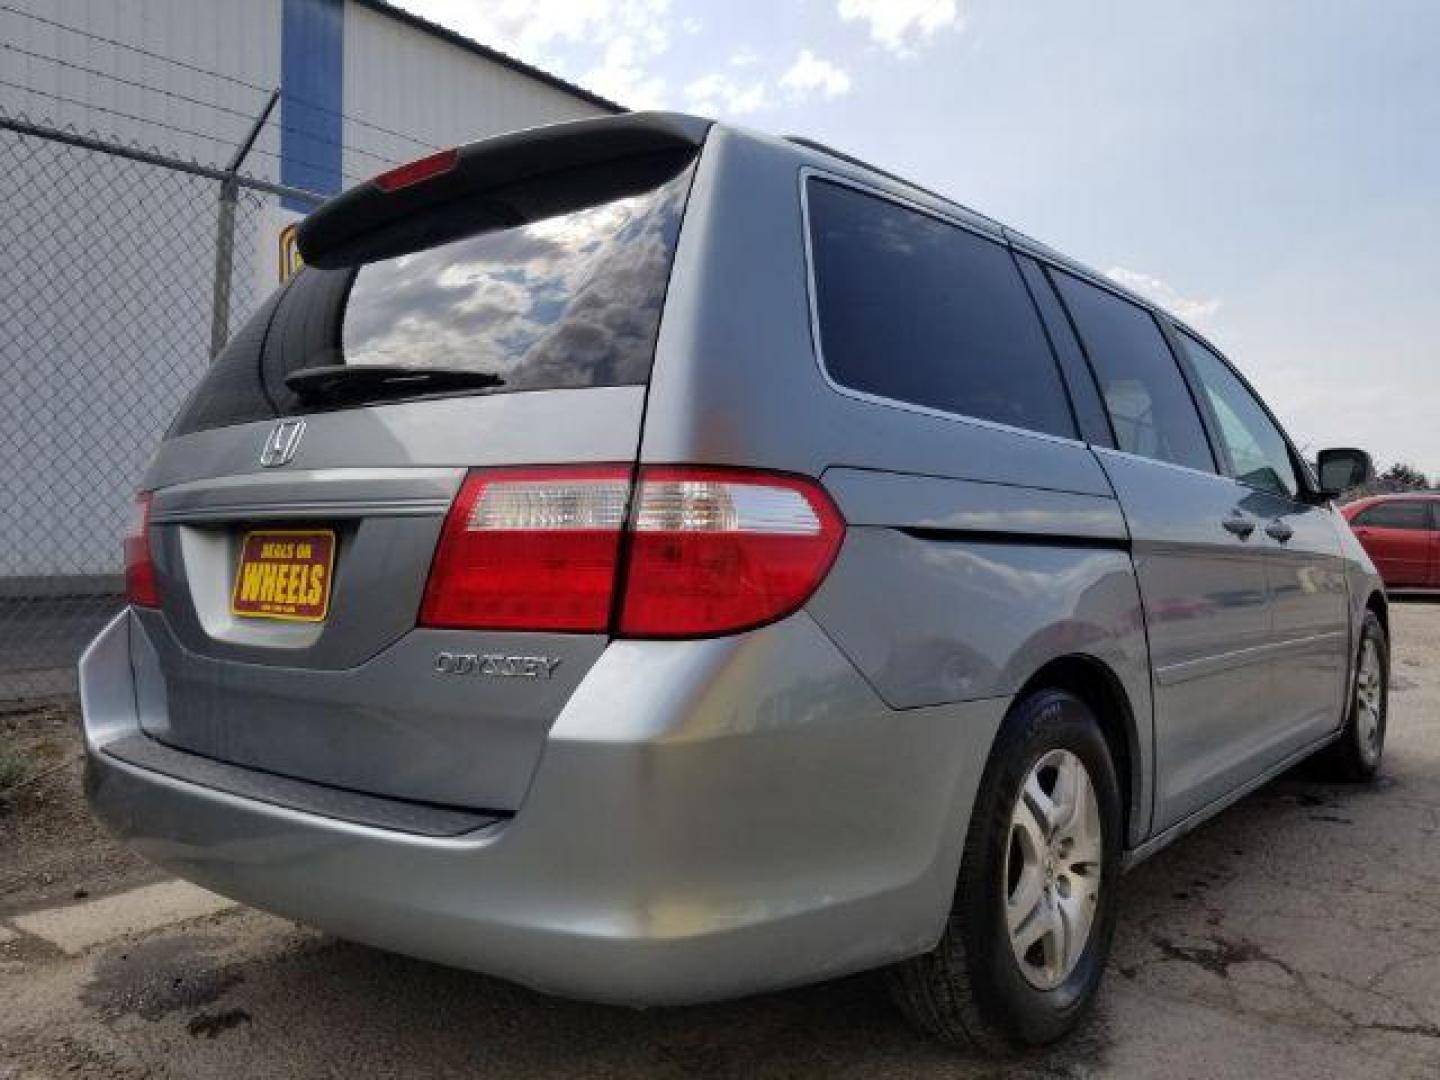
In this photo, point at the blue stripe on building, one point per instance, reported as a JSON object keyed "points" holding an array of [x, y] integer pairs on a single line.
{"points": [[312, 58]]}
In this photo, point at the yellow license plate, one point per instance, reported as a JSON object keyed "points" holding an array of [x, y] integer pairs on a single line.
{"points": [[284, 574]]}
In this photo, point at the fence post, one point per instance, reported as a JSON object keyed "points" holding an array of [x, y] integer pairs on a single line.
{"points": [[225, 233]]}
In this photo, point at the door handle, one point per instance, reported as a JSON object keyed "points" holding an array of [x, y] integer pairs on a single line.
{"points": [[1240, 526], [1278, 530]]}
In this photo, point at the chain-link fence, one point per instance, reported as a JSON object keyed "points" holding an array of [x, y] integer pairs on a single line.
{"points": [[111, 298]]}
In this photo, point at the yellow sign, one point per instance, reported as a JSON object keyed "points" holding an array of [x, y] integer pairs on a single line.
{"points": [[284, 574], [290, 261]]}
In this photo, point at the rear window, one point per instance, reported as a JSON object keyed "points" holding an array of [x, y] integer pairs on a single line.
{"points": [[569, 301], [914, 309]]}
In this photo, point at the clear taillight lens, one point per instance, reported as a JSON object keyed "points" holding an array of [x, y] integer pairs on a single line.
{"points": [[141, 585], [529, 549], [708, 550]]}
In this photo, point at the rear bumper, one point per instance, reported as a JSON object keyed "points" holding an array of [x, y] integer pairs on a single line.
{"points": [[708, 819]]}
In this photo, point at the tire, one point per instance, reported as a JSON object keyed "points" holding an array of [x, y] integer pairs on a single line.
{"points": [[1355, 757], [973, 990]]}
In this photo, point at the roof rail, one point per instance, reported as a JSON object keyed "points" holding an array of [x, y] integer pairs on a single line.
{"points": [[851, 159]]}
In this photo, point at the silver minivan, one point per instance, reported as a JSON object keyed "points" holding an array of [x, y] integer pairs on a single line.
{"points": [[656, 562]]}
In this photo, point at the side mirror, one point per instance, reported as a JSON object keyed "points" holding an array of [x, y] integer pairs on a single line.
{"points": [[1342, 468]]}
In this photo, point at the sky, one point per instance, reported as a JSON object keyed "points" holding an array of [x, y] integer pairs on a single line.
{"points": [[1268, 171]]}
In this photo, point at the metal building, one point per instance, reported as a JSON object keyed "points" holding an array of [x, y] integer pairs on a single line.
{"points": [[118, 270]]}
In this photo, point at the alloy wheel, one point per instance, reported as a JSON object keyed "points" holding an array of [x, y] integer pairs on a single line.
{"points": [[1370, 701], [1052, 868]]}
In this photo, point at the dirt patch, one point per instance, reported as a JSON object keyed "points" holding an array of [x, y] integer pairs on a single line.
{"points": [[51, 850]]}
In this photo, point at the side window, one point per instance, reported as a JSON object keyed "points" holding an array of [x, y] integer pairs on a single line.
{"points": [[1149, 404], [1394, 515], [914, 309], [1258, 453]]}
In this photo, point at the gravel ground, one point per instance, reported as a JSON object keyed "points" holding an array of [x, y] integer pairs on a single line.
{"points": [[1296, 935], [51, 850]]}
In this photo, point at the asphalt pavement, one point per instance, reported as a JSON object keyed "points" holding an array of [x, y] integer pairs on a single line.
{"points": [[1296, 935]]}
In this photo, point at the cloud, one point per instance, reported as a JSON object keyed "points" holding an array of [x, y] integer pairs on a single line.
{"points": [[811, 74], [628, 36], [901, 25], [618, 49], [621, 75], [720, 95], [1188, 308]]}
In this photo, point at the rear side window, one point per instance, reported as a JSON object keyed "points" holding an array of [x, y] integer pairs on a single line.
{"points": [[568, 301], [1149, 404], [913, 309], [1395, 515]]}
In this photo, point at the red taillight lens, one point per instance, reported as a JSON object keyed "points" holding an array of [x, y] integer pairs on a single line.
{"points": [[413, 172], [529, 549], [710, 551], [141, 586], [715, 551]]}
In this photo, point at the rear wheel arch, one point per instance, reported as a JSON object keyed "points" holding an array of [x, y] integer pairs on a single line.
{"points": [[974, 988], [1093, 681]]}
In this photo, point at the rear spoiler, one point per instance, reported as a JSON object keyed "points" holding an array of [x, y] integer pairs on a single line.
{"points": [[491, 178]]}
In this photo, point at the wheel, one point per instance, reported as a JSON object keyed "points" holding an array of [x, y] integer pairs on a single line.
{"points": [[1025, 946], [1355, 756]]}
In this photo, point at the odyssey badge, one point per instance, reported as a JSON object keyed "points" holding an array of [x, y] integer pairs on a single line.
{"points": [[496, 665]]}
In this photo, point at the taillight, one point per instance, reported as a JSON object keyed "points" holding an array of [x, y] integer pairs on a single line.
{"points": [[141, 586], [529, 549], [414, 172], [714, 551], [709, 550]]}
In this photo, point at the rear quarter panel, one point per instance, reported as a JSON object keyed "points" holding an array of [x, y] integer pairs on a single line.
{"points": [[1015, 552], [951, 591]]}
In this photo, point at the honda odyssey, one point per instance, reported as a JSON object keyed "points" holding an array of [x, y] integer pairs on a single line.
{"points": [[657, 562]]}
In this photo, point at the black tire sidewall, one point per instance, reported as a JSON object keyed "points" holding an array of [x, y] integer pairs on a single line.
{"points": [[1042, 722]]}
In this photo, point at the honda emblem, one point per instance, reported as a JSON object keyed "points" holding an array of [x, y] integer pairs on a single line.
{"points": [[283, 441]]}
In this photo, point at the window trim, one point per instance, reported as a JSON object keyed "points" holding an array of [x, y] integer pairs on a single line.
{"points": [[809, 172]]}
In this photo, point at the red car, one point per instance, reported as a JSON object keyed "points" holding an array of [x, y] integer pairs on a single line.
{"points": [[1402, 535]]}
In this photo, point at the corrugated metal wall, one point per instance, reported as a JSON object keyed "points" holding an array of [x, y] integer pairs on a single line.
{"points": [[110, 66], [438, 92]]}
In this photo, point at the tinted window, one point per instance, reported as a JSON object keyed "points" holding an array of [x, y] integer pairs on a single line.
{"points": [[1147, 399], [1258, 453], [914, 309], [1395, 515], [571, 300]]}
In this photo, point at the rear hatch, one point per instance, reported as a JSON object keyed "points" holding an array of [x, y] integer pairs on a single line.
{"points": [[492, 307]]}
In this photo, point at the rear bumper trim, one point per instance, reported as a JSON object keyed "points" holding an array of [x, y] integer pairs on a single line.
{"points": [[322, 800]]}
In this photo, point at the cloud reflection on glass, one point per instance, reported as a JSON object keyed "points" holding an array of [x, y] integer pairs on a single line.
{"points": [[568, 301]]}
